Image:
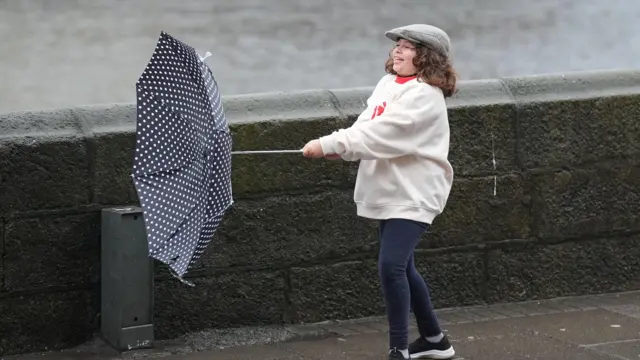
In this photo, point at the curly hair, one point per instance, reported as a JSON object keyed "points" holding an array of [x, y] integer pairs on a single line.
{"points": [[433, 68]]}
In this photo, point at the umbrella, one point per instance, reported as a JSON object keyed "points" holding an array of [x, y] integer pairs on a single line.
{"points": [[182, 160]]}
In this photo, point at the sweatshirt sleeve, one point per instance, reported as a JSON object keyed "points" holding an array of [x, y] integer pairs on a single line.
{"points": [[389, 135]]}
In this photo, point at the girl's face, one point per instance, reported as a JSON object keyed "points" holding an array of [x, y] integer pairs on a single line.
{"points": [[403, 55]]}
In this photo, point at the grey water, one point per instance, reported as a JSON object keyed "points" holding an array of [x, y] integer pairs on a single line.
{"points": [[64, 53]]}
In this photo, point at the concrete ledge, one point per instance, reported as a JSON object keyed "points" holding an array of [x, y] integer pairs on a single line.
{"points": [[481, 92], [574, 85], [565, 186], [320, 104], [281, 106]]}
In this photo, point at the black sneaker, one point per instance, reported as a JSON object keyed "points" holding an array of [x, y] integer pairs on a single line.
{"points": [[423, 349], [396, 355]]}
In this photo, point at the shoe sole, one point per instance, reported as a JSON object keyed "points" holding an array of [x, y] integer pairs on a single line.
{"points": [[434, 354]]}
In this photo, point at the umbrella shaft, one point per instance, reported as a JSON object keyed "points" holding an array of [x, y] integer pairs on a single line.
{"points": [[266, 152]]}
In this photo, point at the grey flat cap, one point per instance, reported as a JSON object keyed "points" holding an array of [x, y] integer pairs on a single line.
{"points": [[423, 34]]}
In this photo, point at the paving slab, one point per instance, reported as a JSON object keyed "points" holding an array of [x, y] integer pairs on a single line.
{"points": [[528, 347], [632, 310], [361, 347], [585, 328], [589, 327], [262, 352], [622, 349], [577, 328]]}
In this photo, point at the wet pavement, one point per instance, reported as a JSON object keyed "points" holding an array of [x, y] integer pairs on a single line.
{"points": [[66, 52], [582, 328]]}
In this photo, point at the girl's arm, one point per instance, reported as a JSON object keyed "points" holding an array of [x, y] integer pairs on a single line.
{"points": [[392, 134]]}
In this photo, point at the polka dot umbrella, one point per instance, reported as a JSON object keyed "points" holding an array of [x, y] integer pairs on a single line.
{"points": [[182, 161]]}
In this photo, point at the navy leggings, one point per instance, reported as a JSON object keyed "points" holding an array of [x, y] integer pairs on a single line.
{"points": [[402, 286]]}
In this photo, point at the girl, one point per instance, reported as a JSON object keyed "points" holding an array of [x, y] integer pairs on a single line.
{"points": [[404, 177]]}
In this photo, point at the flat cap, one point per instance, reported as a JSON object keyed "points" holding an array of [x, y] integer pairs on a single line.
{"points": [[423, 34]]}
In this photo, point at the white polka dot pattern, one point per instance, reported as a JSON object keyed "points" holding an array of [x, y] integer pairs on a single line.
{"points": [[182, 163]]}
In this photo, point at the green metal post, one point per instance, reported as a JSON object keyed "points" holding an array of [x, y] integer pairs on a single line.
{"points": [[126, 281]]}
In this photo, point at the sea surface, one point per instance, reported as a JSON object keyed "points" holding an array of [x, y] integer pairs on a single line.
{"points": [[64, 53]]}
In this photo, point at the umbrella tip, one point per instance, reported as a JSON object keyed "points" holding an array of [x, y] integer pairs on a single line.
{"points": [[206, 55]]}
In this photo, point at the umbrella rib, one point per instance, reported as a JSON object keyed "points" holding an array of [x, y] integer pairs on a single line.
{"points": [[175, 47], [163, 171], [157, 97]]}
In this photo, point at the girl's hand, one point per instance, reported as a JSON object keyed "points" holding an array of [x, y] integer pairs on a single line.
{"points": [[313, 149], [332, 157]]}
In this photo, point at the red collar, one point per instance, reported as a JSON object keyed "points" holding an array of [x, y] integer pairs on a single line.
{"points": [[404, 79]]}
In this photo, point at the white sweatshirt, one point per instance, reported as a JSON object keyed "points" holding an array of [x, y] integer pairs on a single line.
{"points": [[402, 140]]}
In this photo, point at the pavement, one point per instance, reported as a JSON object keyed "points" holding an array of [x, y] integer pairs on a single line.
{"points": [[586, 328]]}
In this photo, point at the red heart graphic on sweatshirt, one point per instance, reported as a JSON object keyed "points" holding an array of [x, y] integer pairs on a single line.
{"points": [[378, 110]]}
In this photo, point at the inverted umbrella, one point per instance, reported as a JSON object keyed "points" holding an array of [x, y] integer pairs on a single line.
{"points": [[182, 163]]}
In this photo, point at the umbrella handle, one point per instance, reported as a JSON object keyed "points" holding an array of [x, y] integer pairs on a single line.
{"points": [[266, 152]]}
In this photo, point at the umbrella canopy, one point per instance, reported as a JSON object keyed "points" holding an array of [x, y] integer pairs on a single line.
{"points": [[182, 161]]}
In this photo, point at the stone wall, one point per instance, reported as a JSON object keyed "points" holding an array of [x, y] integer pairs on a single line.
{"points": [[558, 215]]}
